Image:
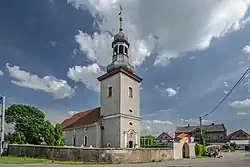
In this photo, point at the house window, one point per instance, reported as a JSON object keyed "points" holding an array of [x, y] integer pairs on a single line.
{"points": [[120, 49], [130, 92], [85, 141], [109, 91]]}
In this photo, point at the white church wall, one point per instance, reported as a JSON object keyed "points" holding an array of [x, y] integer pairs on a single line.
{"points": [[110, 105], [91, 133], [126, 126], [128, 103], [111, 133]]}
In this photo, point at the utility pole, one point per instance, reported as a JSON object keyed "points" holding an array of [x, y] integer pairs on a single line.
{"points": [[200, 128], [2, 102]]}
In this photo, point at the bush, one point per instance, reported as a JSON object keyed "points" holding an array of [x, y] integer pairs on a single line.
{"points": [[225, 147], [199, 149]]}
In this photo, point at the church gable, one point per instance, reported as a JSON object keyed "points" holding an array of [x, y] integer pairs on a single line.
{"points": [[83, 118]]}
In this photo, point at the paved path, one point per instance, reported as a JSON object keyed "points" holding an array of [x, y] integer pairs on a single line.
{"points": [[236, 159]]}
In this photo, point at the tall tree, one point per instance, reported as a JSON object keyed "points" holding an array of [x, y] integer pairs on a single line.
{"points": [[16, 138], [59, 139], [49, 134], [29, 121]]}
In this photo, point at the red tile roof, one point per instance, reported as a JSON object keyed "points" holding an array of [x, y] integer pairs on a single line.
{"points": [[82, 118]]}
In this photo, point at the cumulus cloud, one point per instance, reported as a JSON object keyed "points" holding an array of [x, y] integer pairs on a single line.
{"points": [[174, 28], [73, 112], [171, 92], [50, 84], [1, 73], [87, 75], [246, 49], [194, 121], [241, 104], [156, 127], [242, 113]]}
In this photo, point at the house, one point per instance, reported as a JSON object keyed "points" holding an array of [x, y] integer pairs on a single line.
{"points": [[116, 123], [164, 138], [213, 133], [240, 138]]}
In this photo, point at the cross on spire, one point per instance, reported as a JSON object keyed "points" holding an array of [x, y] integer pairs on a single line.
{"points": [[120, 14]]}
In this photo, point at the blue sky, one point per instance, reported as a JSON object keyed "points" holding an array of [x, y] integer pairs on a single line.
{"points": [[51, 52]]}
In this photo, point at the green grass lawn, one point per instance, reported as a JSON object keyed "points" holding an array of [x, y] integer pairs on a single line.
{"points": [[26, 160]]}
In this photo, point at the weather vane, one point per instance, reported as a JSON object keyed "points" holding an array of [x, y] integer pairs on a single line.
{"points": [[120, 14]]}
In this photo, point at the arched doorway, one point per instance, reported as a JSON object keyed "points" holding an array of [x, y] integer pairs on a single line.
{"points": [[185, 151], [130, 144]]}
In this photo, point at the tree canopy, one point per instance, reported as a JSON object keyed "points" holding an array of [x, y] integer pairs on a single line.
{"points": [[31, 126]]}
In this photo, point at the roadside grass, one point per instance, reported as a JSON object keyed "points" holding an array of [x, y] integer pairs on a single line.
{"points": [[27, 160]]}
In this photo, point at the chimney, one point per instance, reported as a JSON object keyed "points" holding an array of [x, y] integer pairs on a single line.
{"points": [[188, 125]]}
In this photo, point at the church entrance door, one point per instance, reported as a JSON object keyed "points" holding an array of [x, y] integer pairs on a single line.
{"points": [[130, 144]]}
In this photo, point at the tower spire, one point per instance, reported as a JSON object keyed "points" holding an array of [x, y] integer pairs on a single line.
{"points": [[120, 14]]}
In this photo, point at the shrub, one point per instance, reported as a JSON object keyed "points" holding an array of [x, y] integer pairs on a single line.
{"points": [[225, 147], [199, 149]]}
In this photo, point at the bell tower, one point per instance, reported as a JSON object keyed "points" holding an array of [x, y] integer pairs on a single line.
{"points": [[120, 97]]}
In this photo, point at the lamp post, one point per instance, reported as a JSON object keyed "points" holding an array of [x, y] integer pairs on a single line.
{"points": [[2, 103], [74, 137]]}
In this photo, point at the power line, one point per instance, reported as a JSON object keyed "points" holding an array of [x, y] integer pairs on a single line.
{"points": [[229, 93], [225, 98]]}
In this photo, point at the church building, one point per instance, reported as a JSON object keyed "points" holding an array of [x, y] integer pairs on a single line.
{"points": [[116, 123]]}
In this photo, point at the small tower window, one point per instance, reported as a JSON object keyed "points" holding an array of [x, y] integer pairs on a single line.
{"points": [[115, 50], [120, 49], [126, 50], [130, 123], [130, 111], [130, 92], [109, 91]]}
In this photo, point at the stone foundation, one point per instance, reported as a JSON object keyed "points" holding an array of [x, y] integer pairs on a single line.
{"points": [[92, 154]]}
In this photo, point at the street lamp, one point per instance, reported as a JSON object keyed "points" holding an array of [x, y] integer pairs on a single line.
{"points": [[2, 103]]}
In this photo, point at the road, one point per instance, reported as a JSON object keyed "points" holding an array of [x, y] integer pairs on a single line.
{"points": [[236, 159]]}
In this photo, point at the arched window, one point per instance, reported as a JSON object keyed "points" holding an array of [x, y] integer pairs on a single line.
{"points": [[130, 92], [85, 141], [115, 50], [109, 145], [109, 91], [120, 49], [126, 50]]}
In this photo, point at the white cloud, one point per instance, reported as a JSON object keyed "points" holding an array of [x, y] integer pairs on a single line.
{"points": [[194, 121], [87, 75], [52, 44], [73, 112], [156, 127], [242, 113], [171, 92], [184, 27], [246, 49], [158, 122], [226, 84], [58, 87], [241, 104], [1, 73]]}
